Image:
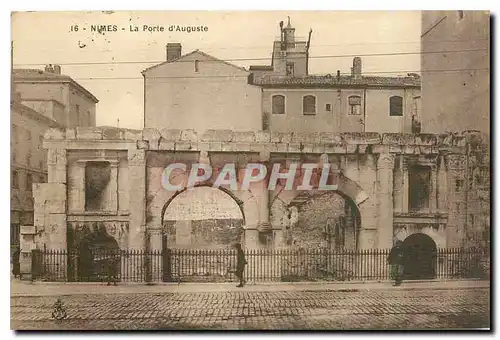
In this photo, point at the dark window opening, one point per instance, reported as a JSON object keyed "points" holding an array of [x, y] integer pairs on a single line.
{"points": [[97, 177], [290, 69], [354, 105], [309, 105], [419, 187], [396, 106], [197, 66], [460, 15], [278, 104], [328, 107]]}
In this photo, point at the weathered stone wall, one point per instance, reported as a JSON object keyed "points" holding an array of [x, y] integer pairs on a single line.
{"points": [[366, 162]]}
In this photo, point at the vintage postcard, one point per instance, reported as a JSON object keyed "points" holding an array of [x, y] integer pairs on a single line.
{"points": [[251, 170]]}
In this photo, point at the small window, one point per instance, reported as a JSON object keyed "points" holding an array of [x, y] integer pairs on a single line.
{"points": [[15, 180], [328, 107], [197, 66], [278, 104], [396, 106], [460, 15], [309, 105], [355, 105], [290, 69]]}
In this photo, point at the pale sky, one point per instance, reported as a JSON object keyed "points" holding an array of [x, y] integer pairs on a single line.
{"points": [[44, 37]]}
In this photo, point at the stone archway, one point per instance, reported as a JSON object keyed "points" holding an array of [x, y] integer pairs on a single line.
{"points": [[202, 217], [328, 220], [420, 257], [98, 256]]}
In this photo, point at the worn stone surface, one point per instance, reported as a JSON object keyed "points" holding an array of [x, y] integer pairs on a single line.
{"points": [[256, 310]]}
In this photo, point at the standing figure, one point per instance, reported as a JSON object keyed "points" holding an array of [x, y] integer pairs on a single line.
{"points": [[15, 262], [396, 260], [112, 262], [240, 263]]}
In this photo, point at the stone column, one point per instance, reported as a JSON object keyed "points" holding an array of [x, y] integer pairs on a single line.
{"points": [[398, 186], [368, 209], [457, 199], [76, 190], [442, 187], [260, 191], [137, 229], [433, 190], [406, 187], [55, 196], [385, 167], [155, 258], [112, 189], [137, 183]]}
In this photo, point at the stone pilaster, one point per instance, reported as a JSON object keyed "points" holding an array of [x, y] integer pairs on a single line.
{"points": [[112, 189], [398, 185], [137, 183], [367, 238], [442, 194], [76, 189], [57, 165], [385, 167], [433, 190], [156, 258], [457, 199], [406, 187]]}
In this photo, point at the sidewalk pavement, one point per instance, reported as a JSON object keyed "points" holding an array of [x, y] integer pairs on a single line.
{"points": [[27, 288]]}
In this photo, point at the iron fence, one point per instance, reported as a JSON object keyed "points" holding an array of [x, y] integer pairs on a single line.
{"points": [[263, 265]]}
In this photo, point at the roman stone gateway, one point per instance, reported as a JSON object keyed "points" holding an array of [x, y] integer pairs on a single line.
{"points": [[110, 181]]}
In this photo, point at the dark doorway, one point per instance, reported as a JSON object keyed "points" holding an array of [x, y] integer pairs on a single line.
{"points": [[98, 255], [419, 257]]}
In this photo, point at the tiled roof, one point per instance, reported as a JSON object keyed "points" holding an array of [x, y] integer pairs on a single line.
{"points": [[334, 81], [36, 75]]}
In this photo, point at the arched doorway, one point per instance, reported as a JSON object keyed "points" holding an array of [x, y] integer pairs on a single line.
{"points": [[420, 255], [203, 220], [98, 256]]}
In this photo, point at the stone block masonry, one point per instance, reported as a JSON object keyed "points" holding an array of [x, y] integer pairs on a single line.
{"points": [[373, 169]]}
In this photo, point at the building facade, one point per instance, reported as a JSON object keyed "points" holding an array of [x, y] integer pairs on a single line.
{"points": [[40, 100], [390, 187], [202, 92], [455, 64], [198, 91], [455, 71], [56, 95]]}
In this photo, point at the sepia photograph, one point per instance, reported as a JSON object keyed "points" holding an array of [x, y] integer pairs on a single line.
{"points": [[250, 170]]}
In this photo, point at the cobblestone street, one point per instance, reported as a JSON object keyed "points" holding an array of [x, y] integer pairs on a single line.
{"points": [[321, 309]]}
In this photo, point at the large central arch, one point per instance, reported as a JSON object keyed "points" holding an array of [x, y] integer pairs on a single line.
{"points": [[202, 217]]}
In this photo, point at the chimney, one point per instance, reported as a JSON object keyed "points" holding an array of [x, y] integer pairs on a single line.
{"points": [[49, 68], [57, 69], [174, 51], [338, 75], [356, 68]]}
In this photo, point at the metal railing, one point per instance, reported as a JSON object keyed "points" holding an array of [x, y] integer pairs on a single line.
{"points": [[263, 265]]}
